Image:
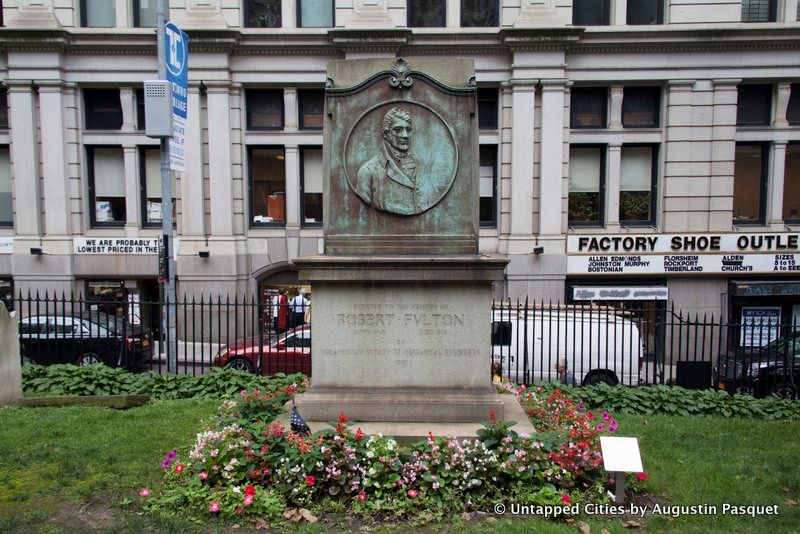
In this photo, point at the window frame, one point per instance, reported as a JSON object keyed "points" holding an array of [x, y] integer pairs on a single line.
{"points": [[4, 107], [601, 208], [770, 104], [793, 220], [250, 187], [248, 108], [84, 20], [483, 95], [772, 14], [442, 22], [653, 184], [606, 14], [9, 224], [136, 8], [90, 177], [659, 14], [303, 224], [302, 94], [493, 222], [656, 111], [495, 23], [246, 17], [794, 98], [604, 114], [299, 15], [141, 150], [763, 187], [86, 108]]}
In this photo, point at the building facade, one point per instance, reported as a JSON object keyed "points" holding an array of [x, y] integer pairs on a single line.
{"points": [[630, 149]]}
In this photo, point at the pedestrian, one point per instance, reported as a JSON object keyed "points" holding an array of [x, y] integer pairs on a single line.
{"points": [[298, 306], [283, 311], [564, 375]]}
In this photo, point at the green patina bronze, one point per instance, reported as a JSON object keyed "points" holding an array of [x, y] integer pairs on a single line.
{"points": [[401, 154]]}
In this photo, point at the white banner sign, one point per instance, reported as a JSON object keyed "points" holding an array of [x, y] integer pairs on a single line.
{"points": [[115, 245], [684, 263], [683, 243], [6, 245]]}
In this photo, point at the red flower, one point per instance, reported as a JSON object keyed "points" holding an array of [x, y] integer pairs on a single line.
{"points": [[412, 493], [203, 475], [255, 473], [250, 490], [239, 510], [179, 468], [565, 499], [642, 476], [493, 417], [359, 434], [214, 506], [362, 496], [310, 480], [144, 492], [342, 418]]}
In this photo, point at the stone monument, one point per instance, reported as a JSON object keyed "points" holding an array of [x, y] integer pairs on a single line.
{"points": [[402, 299]]}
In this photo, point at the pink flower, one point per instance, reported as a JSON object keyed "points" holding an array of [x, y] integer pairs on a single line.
{"points": [[203, 475], [310, 480], [248, 500], [179, 468], [412, 493], [144, 492], [362, 496], [565, 499], [641, 476], [239, 510], [214, 506]]}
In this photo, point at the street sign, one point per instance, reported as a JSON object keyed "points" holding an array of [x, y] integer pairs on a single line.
{"points": [[177, 60], [163, 259]]}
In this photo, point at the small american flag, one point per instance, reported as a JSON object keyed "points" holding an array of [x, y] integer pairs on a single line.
{"points": [[297, 424]]}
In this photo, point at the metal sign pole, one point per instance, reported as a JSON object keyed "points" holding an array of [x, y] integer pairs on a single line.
{"points": [[167, 314]]}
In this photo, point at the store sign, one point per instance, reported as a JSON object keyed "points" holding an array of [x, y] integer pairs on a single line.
{"points": [[620, 293], [6, 245], [684, 253], [115, 245], [177, 60], [759, 326]]}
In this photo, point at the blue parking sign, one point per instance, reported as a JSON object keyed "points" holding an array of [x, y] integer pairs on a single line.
{"points": [[177, 60]]}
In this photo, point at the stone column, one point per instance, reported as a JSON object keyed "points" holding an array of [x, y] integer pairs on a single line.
{"points": [[23, 156], [775, 199], [132, 191], [288, 10], [789, 11], [192, 198], [619, 12], [219, 158], [127, 96], [612, 186], [551, 161], [723, 154], [10, 372], [522, 97], [782, 103], [615, 109], [453, 13], [290, 109], [292, 174], [54, 158], [121, 13]]}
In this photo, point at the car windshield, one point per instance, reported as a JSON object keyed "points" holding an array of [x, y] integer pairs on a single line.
{"points": [[111, 322]]}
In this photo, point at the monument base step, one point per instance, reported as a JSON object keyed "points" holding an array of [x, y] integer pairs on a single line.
{"points": [[408, 432]]}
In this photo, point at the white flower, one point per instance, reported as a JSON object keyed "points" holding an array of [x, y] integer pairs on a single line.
{"points": [[237, 489]]}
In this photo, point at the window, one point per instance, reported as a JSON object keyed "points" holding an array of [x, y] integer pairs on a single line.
{"points": [[264, 109], [758, 10], [103, 109], [312, 108], [315, 13], [6, 205], [267, 186], [426, 13], [106, 186], [637, 184], [262, 13], [754, 105], [487, 108], [749, 183], [586, 185], [792, 111], [640, 107], [590, 12], [487, 187], [98, 14], [140, 122], [645, 12], [588, 107], [501, 333], [144, 13], [311, 161], [791, 184], [3, 108], [150, 172], [479, 13]]}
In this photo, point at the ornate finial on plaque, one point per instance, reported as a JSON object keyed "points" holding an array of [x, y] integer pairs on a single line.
{"points": [[401, 78], [472, 82], [329, 83]]}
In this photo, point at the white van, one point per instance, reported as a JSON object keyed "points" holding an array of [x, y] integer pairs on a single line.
{"points": [[598, 345]]}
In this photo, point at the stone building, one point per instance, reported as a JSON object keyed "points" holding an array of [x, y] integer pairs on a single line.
{"points": [[630, 149]]}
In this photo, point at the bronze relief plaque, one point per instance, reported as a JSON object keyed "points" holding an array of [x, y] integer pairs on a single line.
{"points": [[401, 159]]}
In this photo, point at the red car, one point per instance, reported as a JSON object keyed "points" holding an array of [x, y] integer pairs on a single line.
{"points": [[289, 353]]}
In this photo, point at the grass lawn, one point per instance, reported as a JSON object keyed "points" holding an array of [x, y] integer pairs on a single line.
{"points": [[72, 469]]}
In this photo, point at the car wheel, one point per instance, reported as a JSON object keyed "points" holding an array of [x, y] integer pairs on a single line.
{"points": [[784, 390], [240, 364], [89, 358], [600, 378]]}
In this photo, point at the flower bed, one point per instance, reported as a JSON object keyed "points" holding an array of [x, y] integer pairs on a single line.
{"points": [[246, 465]]}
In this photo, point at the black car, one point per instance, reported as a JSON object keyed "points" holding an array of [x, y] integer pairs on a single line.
{"points": [[770, 370], [84, 339]]}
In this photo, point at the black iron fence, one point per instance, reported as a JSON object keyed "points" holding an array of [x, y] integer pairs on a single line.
{"points": [[649, 343]]}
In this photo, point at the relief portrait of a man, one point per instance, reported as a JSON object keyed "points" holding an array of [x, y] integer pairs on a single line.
{"points": [[389, 181]]}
